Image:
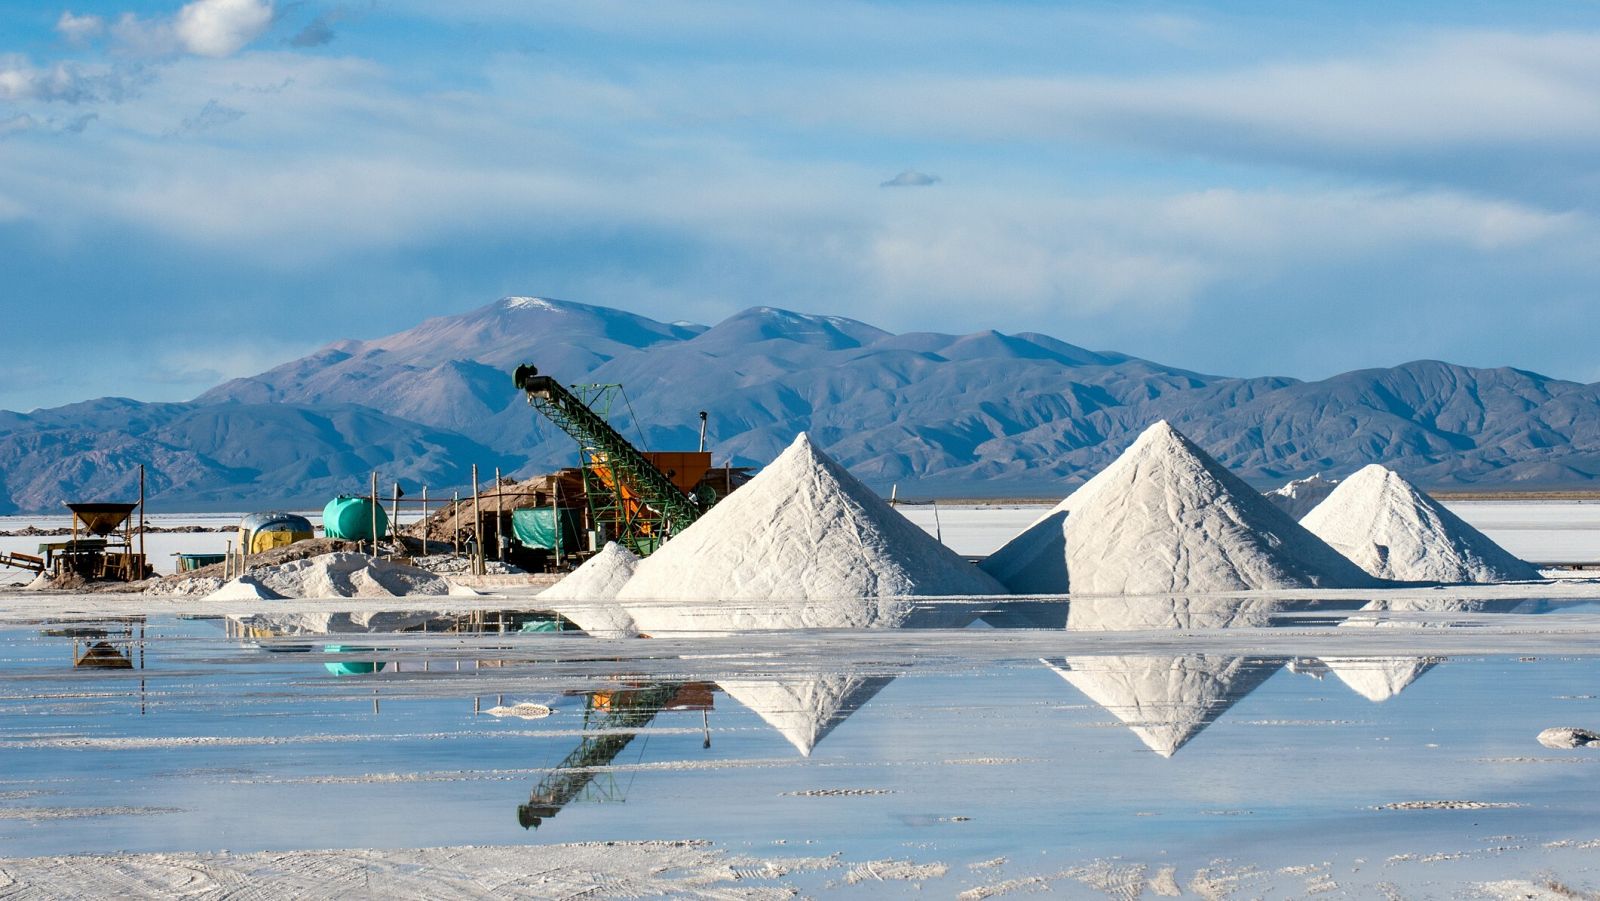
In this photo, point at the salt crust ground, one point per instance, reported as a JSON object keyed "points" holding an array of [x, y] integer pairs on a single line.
{"points": [[803, 528], [1394, 530], [699, 870]]}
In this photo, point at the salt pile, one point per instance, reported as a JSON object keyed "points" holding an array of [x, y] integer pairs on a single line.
{"points": [[1301, 496], [343, 574], [590, 591], [1034, 562], [1166, 518], [1393, 530], [805, 710], [804, 528]]}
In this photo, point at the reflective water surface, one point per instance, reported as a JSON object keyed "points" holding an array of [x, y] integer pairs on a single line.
{"points": [[1213, 746]]}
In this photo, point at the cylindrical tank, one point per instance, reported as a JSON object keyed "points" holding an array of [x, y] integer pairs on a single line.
{"points": [[264, 531], [350, 516]]}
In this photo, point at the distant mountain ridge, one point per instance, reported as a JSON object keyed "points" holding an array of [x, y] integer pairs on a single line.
{"points": [[980, 414]]}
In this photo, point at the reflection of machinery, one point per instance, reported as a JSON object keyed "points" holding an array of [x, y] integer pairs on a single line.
{"points": [[638, 499], [108, 645], [615, 718]]}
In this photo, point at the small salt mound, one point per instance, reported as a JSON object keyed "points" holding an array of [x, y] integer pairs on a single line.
{"points": [[244, 588], [1034, 562], [805, 710], [1166, 518], [338, 575], [591, 590], [1300, 496], [804, 528], [1393, 530]]}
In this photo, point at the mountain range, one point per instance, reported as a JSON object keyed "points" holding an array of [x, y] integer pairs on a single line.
{"points": [[985, 414]]}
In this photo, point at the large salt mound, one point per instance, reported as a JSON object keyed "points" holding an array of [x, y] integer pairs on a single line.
{"points": [[1166, 518], [1393, 530], [805, 710], [590, 592], [804, 528], [1301, 496], [343, 574]]}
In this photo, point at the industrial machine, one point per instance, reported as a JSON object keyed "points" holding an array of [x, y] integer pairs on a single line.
{"points": [[101, 546], [636, 498]]}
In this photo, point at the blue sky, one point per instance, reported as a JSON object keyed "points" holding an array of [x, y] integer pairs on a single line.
{"points": [[195, 191]]}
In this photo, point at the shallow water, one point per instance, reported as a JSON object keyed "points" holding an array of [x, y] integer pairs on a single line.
{"points": [[1227, 740]]}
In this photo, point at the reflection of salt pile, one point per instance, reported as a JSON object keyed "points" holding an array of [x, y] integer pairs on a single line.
{"points": [[805, 710], [804, 528], [1166, 700], [339, 575], [590, 592], [1380, 678], [1393, 530], [334, 623], [1167, 518], [1301, 496]]}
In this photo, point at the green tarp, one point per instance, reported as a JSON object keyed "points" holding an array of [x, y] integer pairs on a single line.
{"points": [[536, 527]]}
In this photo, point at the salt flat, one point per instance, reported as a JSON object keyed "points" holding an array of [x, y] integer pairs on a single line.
{"points": [[1228, 745]]}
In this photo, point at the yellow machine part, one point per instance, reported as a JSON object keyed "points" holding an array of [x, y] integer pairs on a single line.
{"points": [[267, 539]]}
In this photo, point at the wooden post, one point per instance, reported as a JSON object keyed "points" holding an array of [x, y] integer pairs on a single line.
{"points": [[499, 514], [424, 519], [455, 521], [394, 520], [477, 526], [555, 514], [374, 500], [142, 557]]}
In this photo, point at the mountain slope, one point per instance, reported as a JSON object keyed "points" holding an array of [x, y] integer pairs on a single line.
{"points": [[976, 414]]}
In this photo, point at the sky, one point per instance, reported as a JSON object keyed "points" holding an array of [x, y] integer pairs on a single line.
{"points": [[191, 192]]}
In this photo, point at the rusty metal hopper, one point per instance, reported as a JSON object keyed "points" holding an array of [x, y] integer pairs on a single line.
{"points": [[102, 519]]}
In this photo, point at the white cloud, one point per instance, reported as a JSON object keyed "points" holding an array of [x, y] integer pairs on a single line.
{"points": [[80, 29], [221, 27]]}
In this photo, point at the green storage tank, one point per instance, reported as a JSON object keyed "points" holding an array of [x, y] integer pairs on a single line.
{"points": [[349, 516]]}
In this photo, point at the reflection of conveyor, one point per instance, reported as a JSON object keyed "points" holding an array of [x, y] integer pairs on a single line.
{"points": [[615, 718]]}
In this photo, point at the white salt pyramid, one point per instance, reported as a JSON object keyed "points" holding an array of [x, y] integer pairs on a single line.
{"points": [[804, 528], [1301, 496], [1166, 518], [805, 710], [587, 596], [1393, 530]]}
